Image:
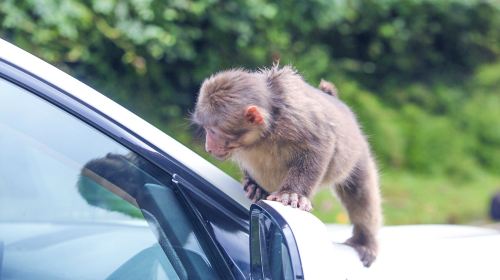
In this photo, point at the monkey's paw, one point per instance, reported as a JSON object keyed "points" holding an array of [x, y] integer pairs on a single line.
{"points": [[293, 199], [253, 191], [366, 254]]}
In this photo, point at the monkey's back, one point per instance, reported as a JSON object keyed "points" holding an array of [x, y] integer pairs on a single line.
{"points": [[344, 139], [308, 121]]}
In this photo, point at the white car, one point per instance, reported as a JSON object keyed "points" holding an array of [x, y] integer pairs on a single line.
{"points": [[89, 190]]}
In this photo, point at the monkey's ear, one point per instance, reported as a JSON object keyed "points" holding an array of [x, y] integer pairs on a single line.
{"points": [[253, 115]]}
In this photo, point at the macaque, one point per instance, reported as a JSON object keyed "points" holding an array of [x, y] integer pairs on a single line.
{"points": [[289, 138]]}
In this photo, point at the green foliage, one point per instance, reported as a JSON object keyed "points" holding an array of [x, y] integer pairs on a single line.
{"points": [[481, 118], [410, 199], [433, 142], [161, 50], [423, 76]]}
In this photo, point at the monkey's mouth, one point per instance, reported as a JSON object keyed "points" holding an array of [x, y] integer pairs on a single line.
{"points": [[226, 153], [222, 156]]}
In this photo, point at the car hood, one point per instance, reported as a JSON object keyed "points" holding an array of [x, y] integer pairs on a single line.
{"points": [[430, 252]]}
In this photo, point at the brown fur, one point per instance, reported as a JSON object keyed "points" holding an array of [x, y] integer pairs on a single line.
{"points": [[307, 139]]}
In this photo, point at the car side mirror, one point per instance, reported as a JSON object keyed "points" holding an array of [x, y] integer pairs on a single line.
{"points": [[288, 243], [273, 251]]}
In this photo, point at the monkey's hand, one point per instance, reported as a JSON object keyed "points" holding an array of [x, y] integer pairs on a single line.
{"points": [[293, 199], [253, 191]]}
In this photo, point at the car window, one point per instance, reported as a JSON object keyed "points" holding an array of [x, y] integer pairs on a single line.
{"points": [[271, 257], [74, 202]]}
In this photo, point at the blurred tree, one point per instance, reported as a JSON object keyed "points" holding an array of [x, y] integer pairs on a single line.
{"points": [[427, 67]]}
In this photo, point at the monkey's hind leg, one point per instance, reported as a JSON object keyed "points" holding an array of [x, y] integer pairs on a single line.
{"points": [[361, 197]]}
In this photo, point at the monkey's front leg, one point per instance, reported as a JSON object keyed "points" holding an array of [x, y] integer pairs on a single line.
{"points": [[253, 191], [304, 174]]}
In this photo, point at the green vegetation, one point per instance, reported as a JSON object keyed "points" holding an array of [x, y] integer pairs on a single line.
{"points": [[423, 76], [410, 198]]}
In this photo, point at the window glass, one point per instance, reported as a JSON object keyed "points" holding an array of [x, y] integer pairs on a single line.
{"points": [[73, 202], [270, 256]]}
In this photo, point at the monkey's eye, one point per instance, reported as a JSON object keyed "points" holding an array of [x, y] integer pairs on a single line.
{"points": [[239, 133]]}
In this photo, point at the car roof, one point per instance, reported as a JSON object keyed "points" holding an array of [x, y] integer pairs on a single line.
{"points": [[78, 90]]}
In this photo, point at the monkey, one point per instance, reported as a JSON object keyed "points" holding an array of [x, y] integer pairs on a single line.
{"points": [[288, 138], [359, 171]]}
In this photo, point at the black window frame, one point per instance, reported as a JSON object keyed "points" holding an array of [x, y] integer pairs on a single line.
{"points": [[109, 127]]}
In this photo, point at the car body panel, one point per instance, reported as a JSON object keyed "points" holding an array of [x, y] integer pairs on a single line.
{"points": [[320, 257], [430, 252], [406, 252]]}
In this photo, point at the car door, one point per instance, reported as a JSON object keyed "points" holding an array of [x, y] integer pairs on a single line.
{"points": [[75, 196]]}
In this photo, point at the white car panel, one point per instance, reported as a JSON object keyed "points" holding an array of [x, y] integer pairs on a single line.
{"points": [[321, 258], [431, 252], [406, 252]]}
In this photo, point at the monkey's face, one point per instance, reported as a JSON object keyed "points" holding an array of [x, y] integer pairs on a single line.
{"points": [[231, 107], [244, 132], [219, 143]]}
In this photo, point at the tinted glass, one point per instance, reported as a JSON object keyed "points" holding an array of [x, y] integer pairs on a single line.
{"points": [[270, 256], [73, 202]]}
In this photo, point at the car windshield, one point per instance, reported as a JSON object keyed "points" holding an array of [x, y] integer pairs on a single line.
{"points": [[69, 192]]}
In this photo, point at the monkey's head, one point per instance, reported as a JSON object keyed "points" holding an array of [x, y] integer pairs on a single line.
{"points": [[233, 108]]}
